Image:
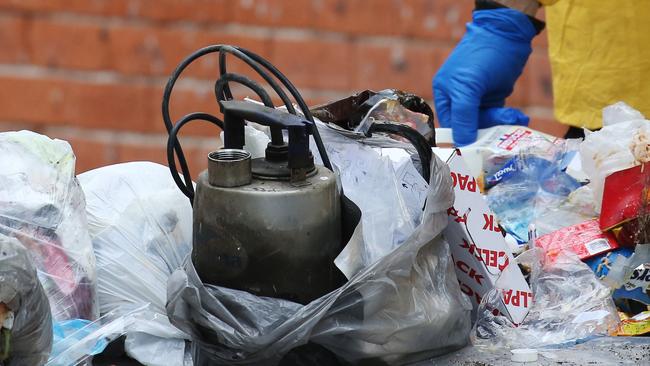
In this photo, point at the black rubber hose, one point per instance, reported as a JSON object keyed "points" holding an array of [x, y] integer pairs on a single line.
{"points": [[172, 141], [221, 94], [415, 138]]}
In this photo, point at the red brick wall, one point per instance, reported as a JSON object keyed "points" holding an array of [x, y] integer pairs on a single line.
{"points": [[92, 71]]}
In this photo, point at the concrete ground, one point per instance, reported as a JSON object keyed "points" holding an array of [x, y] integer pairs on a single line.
{"points": [[599, 351]]}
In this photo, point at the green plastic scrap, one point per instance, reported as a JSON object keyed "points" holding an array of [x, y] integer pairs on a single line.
{"points": [[5, 344]]}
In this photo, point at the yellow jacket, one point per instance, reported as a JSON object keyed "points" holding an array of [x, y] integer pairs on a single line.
{"points": [[600, 54]]}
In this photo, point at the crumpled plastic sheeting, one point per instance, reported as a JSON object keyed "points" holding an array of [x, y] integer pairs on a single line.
{"points": [[576, 208], [405, 307], [536, 184], [20, 290], [42, 205], [570, 305], [141, 228], [369, 180]]}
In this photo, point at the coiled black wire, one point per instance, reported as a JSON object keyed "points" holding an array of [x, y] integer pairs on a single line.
{"points": [[222, 92]]}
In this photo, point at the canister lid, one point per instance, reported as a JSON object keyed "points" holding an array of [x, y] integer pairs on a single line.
{"points": [[523, 355]]}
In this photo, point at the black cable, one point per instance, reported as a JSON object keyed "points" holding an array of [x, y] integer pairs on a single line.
{"points": [[254, 65], [415, 138], [299, 100], [221, 94], [172, 142], [254, 61]]}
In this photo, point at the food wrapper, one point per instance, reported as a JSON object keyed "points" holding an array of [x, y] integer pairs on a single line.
{"points": [[635, 326]]}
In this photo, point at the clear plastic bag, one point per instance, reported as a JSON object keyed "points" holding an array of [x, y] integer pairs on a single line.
{"points": [[77, 340], [43, 207], [404, 307], [365, 176], [141, 228], [532, 181], [570, 304], [576, 208], [25, 309]]}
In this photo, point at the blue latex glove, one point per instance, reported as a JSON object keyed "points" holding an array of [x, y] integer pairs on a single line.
{"points": [[471, 87]]}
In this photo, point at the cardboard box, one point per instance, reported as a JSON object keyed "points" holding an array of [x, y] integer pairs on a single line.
{"points": [[623, 195], [481, 256]]}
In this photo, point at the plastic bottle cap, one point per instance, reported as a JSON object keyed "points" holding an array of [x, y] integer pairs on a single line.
{"points": [[523, 355]]}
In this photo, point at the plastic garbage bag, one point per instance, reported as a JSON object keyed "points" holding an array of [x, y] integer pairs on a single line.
{"points": [[530, 183], [615, 147], [141, 229], [25, 318], [76, 341], [404, 307], [570, 304], [365, 176], [43, 207], [620, 112]]}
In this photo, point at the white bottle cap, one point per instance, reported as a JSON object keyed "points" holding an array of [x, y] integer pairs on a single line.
{"points": [[523, 355]]}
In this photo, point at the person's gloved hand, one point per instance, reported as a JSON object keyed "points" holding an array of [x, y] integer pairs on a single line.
{"points": [[471, 87]]}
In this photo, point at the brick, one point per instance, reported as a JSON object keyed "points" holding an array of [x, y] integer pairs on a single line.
{"points": [[456, 14], [30, 100], [358, 16], [405, 67], [105, 7], [519, 96], [173, 10], [159, 10], [195, 155], [113, 106], [440, 20], [541, 84], [185, 100], [64, 102], [540, 42], [12, 41], [157, 51], [285, 13], [90, 153], [156, 153], [313, 63], [132, 50], [548, 125], [61, 44]]}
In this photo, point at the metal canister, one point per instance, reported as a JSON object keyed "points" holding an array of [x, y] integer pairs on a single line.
{"points": [[264, 234]]}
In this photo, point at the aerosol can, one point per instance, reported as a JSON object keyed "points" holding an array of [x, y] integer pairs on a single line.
{"points": [[270, 226]]}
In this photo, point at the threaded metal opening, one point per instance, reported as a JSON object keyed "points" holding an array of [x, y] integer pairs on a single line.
{"points": [[229, 155]]}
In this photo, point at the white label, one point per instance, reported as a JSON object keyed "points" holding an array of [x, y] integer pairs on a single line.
{"points": [[597, 246]]}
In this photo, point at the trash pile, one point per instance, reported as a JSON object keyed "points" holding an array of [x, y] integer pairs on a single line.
{"points": [[520, 241], [574, 217]]}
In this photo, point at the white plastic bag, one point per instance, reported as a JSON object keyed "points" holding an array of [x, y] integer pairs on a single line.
{"points": [[141, 228], [620, 112], [615, 147]]}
